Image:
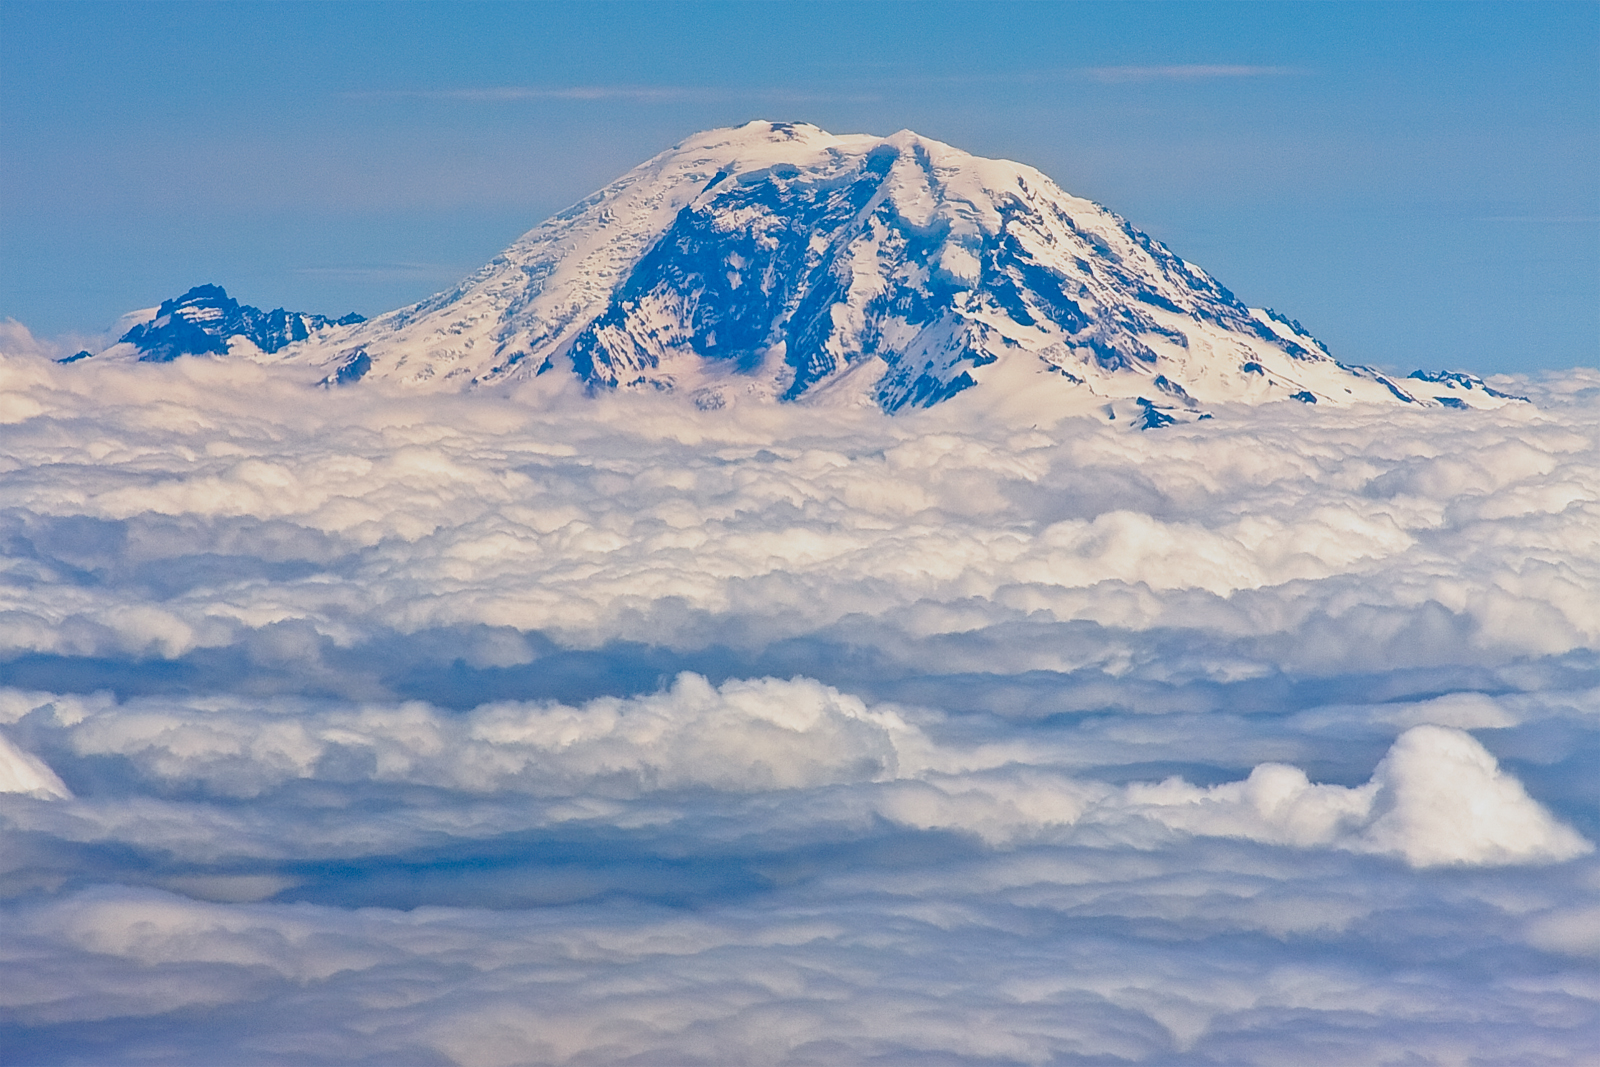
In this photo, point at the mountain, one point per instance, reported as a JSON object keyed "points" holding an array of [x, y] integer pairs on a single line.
{"points": [[778, 262], [207, 321]]}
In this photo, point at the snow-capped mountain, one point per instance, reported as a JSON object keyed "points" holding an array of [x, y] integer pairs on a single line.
{"points": [[782, 261], [207, 321], [777, 261]]}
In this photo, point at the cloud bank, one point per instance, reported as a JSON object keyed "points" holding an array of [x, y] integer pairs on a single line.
{"points": [[1185, 72], [356, 727]]}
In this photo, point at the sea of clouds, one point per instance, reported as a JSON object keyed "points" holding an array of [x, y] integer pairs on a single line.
{"points": [[354, 726]]}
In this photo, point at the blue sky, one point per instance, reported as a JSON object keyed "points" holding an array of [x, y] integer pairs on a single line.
{"points": [[1418, 184]]}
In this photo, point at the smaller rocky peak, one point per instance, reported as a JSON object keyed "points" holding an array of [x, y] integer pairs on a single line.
{"points": [[207, 321], [1460, 389]]}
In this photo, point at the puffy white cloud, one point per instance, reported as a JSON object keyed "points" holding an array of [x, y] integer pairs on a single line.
{"points": [[1444, 799], [746, 736], [23, 772], [346, 725], [602, 519], [1276, 803], [1437, 797]]}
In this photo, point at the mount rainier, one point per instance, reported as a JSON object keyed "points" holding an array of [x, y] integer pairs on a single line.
{"points": [[776, 261]]}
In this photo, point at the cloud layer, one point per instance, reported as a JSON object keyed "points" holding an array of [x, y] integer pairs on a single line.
{"points": [[352, 727], [1437, 797]]}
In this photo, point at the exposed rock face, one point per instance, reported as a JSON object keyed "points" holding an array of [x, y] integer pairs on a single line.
{"points": [[207, 321]]}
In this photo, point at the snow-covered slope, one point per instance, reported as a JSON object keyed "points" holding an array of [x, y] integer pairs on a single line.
{"points": [[781, 262]]}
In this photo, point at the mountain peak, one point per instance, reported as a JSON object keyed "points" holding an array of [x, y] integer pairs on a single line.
{"points": [[207, 321]]}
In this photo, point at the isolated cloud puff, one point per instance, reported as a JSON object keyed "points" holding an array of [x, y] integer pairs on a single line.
{"points": [[1437, 798], [1442, 798]]}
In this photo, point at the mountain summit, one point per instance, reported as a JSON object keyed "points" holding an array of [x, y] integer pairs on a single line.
{"points": [[778, 261]]}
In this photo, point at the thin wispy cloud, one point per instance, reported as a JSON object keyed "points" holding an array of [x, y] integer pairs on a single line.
{"points": [[1539, 218], [1185, 72], [505, 93], [639, 94]]}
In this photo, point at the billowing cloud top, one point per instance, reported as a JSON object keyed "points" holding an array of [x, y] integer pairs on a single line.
{"points": [[364, 724]]}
